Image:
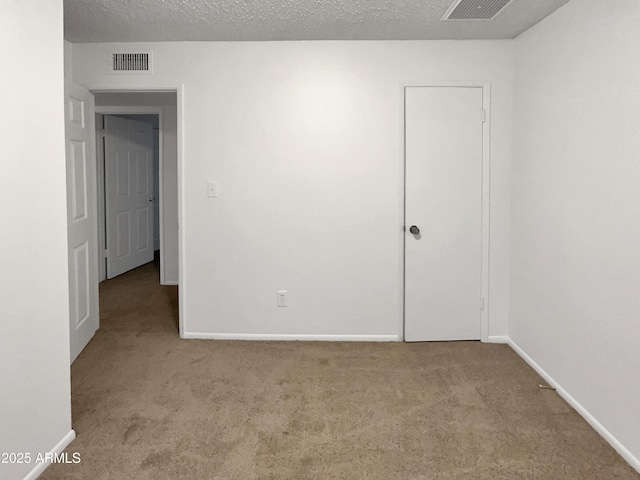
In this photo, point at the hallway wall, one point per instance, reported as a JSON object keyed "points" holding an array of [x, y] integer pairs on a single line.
{"points": [[35, 403]]}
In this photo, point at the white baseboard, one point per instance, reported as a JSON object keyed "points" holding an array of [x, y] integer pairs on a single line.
{"points": [[597, 426], [497, 339], [42, 466], [287, 337]]}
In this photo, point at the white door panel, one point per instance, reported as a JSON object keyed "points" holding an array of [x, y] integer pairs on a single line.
{"points": [[444, 139], [82, 224], [129, 197]]}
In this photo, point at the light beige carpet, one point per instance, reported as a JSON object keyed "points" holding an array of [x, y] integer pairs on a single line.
{"points": [[147, 405]]}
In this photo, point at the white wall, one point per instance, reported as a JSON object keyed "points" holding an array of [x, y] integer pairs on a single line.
{"points": [[167, 102], [135, 99], [304, 139], [68, 60], [170, 241], [575, 295], [35, 413]]}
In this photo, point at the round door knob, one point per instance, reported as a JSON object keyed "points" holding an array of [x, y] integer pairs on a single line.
{"points": [[415, 230]]}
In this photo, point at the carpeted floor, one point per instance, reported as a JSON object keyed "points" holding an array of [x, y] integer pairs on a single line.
{"points": [[147, 405]]}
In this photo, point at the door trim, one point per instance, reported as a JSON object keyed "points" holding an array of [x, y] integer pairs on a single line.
{"points": [[179, 89], [486, 197], [139, 111]]}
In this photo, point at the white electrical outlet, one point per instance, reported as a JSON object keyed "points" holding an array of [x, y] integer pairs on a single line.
{"points": [[283, 298]]}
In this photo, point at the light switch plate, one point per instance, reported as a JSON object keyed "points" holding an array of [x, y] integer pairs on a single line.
{"points": [[212, 189]]}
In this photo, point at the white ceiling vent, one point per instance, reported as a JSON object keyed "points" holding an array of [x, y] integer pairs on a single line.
{"points": [[131, 63], [475, 9]]}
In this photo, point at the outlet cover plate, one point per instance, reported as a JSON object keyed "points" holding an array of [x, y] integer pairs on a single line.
{"points": [[282, 298]]}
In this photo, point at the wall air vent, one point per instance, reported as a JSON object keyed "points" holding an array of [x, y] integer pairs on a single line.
{"points": [[475, 9], [131, 63]]}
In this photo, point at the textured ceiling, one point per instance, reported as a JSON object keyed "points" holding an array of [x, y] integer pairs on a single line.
{"points": [[179, 20]]}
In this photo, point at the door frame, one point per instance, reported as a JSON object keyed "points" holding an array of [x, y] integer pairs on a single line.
{"points": [[486, 197], [179, 90], [101, 176]]}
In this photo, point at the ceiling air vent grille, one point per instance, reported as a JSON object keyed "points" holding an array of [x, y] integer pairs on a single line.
{"points": [[475, 9], [128, 63]]}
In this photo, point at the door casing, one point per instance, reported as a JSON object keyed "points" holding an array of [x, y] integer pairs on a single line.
{"points": [[486, 191], [108, 110], [179, 89]]}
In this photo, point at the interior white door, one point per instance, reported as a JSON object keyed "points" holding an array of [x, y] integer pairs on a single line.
{"points": [[82, 226], [444, 202], [129, 194]]}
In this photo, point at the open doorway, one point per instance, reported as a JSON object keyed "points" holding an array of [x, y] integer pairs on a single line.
{"points": [[85, 175], [136, 152], [129, 154]]}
